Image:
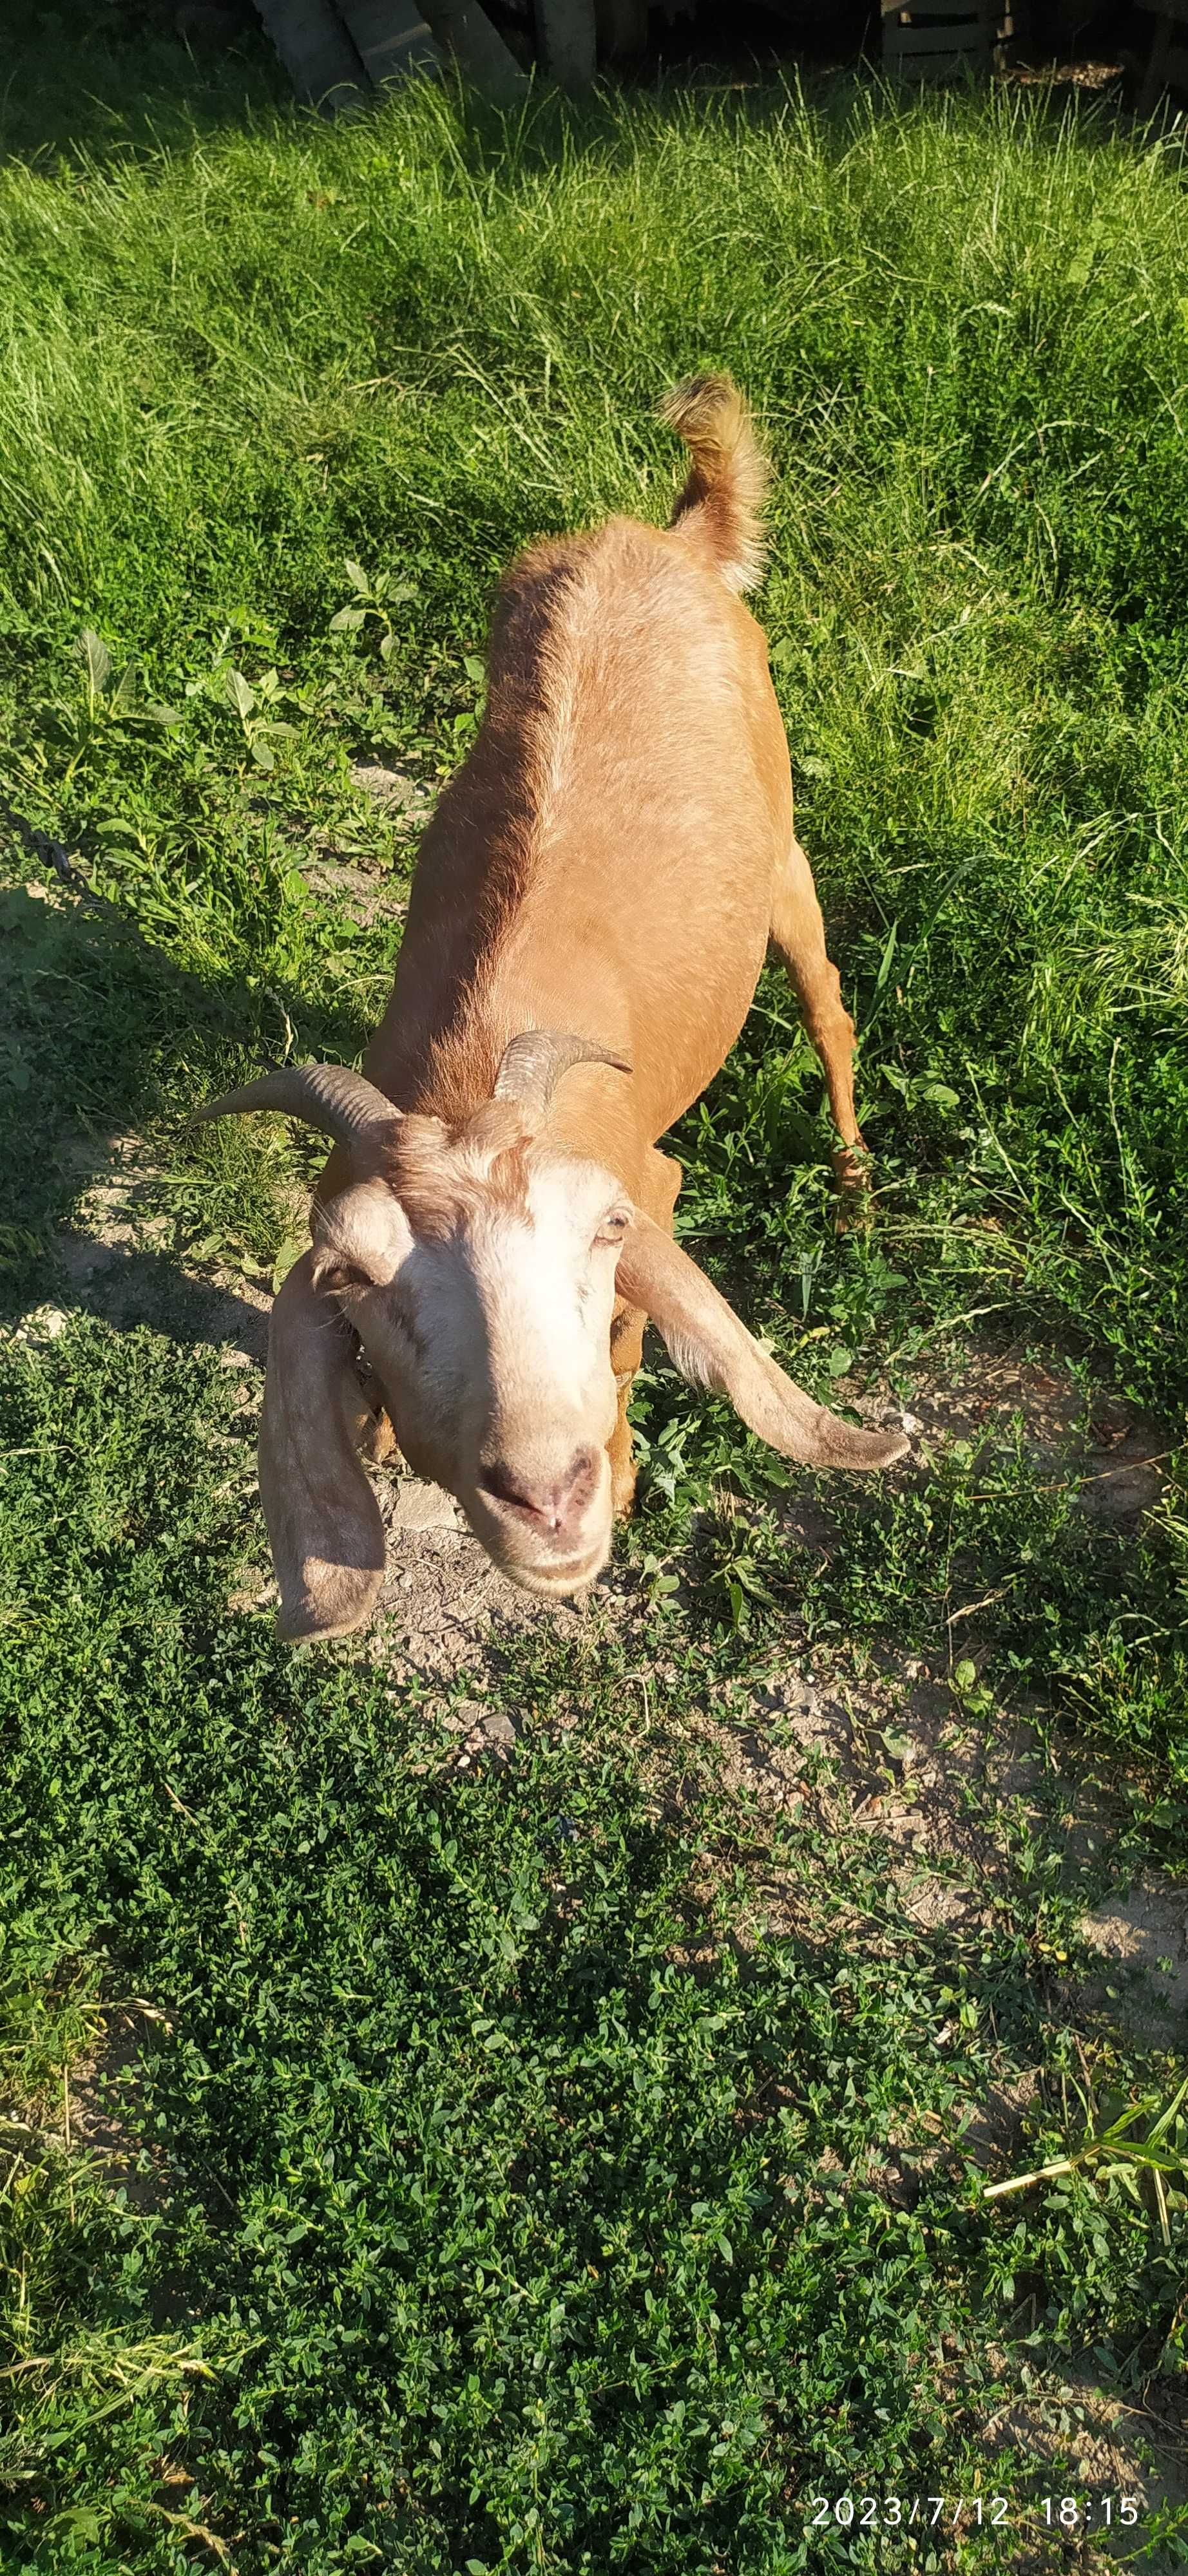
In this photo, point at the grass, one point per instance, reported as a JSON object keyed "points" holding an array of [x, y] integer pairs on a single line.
{"points": [[570, 2163]]}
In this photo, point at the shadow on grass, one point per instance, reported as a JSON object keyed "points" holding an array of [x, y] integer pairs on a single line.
{"points": [[103, 1033], [114, 83]]}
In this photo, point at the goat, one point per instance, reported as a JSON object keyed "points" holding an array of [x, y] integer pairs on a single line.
{"points": [[494, 1224]]}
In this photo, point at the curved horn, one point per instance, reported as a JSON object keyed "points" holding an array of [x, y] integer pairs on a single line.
{"points": [[532, 1065], [343, 1104]]}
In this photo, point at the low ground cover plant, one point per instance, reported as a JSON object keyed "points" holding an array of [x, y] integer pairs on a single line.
{"points": [[536, 2114]]}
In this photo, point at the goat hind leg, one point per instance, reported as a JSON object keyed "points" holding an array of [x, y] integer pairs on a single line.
{"points": [[798, 936]]}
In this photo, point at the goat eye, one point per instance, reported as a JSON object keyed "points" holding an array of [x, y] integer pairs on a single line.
{"points": [[613, 1227]]}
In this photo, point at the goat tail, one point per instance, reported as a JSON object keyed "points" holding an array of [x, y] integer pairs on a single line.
{"points": [[728, 476]]}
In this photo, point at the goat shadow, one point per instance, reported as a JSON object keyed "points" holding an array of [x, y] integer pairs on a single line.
{"points": [[102, 1033]]}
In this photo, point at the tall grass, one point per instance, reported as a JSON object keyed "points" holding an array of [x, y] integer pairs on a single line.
{"points": [[420, 339]]}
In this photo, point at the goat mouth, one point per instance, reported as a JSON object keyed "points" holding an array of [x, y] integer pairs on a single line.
{"points": [[567, 1565], [572, 1574]]}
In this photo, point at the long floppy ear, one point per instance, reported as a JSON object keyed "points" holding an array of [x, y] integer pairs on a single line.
{"points": [[711, 1348], [324, 1524]]}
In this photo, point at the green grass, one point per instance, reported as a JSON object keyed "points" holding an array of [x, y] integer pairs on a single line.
{"points": [[564, 2165]]}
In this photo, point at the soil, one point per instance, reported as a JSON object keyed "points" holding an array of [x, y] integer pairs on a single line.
{"points": [[349, 874], [1142, 1938]]}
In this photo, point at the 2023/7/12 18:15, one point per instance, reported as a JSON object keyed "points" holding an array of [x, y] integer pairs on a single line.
{"points": [[892, 2513]]}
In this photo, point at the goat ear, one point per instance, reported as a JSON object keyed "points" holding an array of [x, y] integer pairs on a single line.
{"points": [[712, 1348], [324, 1524]]}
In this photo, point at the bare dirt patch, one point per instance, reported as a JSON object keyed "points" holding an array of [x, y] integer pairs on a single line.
{"points": [[367, 895], [347, 873], [1106, 1447], [445, 1609], [1142, 1939], [115, 1263], [1115, 2447], [104, 2089], [893, 1751], [393, 790]]}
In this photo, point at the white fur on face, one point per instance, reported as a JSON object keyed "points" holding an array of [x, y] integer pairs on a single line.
{"points": [[493, 1347]]}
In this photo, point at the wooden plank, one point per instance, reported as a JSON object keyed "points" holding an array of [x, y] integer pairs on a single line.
{"points": [[1157, 60], [477, 47], [568, 39], [933, 40], [907, 43], [316, 51], [391, 38], [926, 68], [621, 27], [939, 13]]}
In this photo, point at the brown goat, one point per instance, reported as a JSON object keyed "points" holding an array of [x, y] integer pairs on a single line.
{"points": [[613, 857]]}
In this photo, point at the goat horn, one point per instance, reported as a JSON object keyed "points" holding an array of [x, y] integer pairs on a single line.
{"points": [[531, 1067], [343, 1104]]}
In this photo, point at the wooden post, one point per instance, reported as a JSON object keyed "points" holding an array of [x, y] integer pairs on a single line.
{"points": [[392, 38], [567, 35], [335, 58], [1167, 60], [316, 51], [621, 27], [477, 47]]}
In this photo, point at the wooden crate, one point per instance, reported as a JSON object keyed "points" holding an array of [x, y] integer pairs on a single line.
{"points": [[940, 40]]}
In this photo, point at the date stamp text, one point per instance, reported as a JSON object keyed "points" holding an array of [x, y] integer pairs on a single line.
{"points": [[1067, 2513]]}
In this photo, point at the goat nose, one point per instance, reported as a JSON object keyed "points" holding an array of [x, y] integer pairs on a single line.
{"points": [[552, 1500]]}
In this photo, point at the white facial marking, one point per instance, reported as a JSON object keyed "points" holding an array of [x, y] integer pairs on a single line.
{"points": [[493, 1346]]}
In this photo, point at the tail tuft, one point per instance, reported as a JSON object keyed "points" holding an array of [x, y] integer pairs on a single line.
{"points": [[728, 476]]}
